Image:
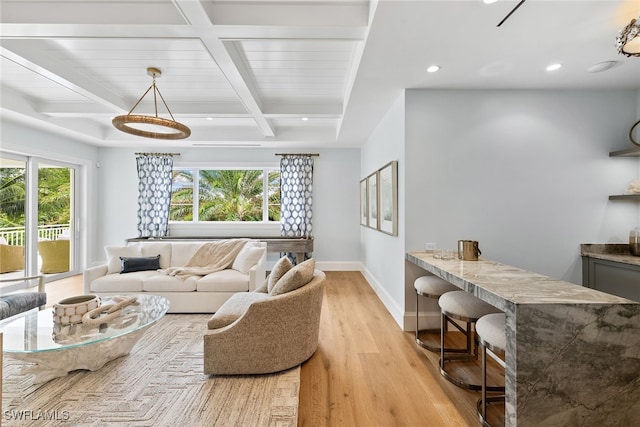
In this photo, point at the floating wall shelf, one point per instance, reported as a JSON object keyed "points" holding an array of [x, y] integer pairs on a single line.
{"points": [[629, 152], [632, 197]]}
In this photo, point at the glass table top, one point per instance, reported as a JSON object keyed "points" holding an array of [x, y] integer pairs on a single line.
{"points": [[36, 332]]}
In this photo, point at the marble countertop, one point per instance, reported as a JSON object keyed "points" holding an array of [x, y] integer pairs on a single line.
{"points": [[610, 252], [571, 351], [504, 286]]}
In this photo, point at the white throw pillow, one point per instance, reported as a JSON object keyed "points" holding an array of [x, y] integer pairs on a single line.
{"points": [[247, 258], [153, 249], [3, 241], [115, 252]]}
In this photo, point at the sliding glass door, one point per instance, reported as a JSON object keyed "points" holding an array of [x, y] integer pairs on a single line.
{"points": [[55, 218], [13, 236], [37, 214]]}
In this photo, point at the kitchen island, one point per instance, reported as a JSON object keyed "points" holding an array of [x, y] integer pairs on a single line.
{"points": [[573, 353]]}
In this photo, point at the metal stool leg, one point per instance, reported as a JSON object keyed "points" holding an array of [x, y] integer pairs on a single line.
{"points": [[490, 326], [469, 353], [426, 345]]}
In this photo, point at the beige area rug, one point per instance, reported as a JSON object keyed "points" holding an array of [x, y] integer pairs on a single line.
{"points": [[160, 383]]}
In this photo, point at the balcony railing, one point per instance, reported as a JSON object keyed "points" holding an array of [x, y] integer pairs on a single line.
{"points": [[16, 235]]}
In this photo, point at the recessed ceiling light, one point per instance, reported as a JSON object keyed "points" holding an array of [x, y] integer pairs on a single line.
{"points": [[554, 67], [433, 68], [304, 119], [489, 1], [209, 118], [601, 66]]}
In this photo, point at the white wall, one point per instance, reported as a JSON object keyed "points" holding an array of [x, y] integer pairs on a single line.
{"points": [[336, 207], [382, 254], [526, 173], [22, 139]]}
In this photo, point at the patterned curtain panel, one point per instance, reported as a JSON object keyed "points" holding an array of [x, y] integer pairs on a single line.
{"points": [[154, 194], [296, 195]]}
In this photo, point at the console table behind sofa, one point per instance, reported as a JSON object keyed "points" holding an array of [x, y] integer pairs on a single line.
{"points": [[296, 245]]}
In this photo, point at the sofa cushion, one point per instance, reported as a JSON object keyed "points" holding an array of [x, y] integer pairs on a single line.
{"points": [[181, 252], [157, 248], [115, 252], [279, 269], [228, 280], [131, 264], [165, 283], [234, 308], [295, 278], [131, 282], [247, 258]]}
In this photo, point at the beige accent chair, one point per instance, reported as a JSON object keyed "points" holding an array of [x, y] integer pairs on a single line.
{"points": [[11, 258], [274, 333], [55, 256]]}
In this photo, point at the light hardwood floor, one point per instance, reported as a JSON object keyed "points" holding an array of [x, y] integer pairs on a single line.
{"points": [[366, 371]]}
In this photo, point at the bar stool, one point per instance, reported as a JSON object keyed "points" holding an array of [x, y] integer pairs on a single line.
{"points": [[461, 305], [430, 286], [491, 336]]}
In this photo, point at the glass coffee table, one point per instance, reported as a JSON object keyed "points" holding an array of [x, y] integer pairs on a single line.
{"points": [[52, 351]]}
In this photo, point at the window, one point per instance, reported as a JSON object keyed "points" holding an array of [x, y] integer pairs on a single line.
{"points": [[225, 195]]}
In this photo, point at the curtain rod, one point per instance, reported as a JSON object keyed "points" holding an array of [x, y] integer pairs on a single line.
{"points": [[157, 154], [298, 154]]}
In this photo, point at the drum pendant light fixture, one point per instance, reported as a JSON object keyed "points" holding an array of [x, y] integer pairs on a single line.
{"points": [[151, 126], [628, 40]]}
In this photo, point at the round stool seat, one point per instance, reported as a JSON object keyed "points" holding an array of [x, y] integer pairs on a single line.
{"points": [[462, 304], [490, 329], [433, 286]]}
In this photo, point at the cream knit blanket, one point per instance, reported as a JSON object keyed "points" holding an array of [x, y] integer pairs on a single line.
{"points": [[209, 258]]}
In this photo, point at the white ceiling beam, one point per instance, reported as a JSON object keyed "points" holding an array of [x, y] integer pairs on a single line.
{"points": [[244, 32], [15, 105], [235, 73], [282, 13], [82, 109], [233, 32], [31, 31], [38, 62]]}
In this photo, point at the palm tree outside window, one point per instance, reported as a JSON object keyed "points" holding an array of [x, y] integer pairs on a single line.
{"points": [[225, 195]]}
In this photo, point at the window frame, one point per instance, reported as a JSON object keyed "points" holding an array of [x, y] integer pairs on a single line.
{"points": [[196, 223]]}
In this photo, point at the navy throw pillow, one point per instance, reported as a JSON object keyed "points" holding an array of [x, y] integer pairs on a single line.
{"points": [[131, 264]]}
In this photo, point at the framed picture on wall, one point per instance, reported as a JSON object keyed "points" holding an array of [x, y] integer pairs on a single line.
{"points": [[372, 200], [364, 218], [388, 198]]}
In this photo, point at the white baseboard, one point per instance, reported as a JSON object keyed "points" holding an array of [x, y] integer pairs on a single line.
{"points": [[390, 304], [339, 265], [405, 320], [328, 265], [428, 320]]}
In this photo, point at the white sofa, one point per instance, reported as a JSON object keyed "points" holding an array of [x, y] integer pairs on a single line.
{"points": [[195, 294]]}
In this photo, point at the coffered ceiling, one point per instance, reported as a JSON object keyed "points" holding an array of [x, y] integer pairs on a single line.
{"points": [[294, 73]]}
